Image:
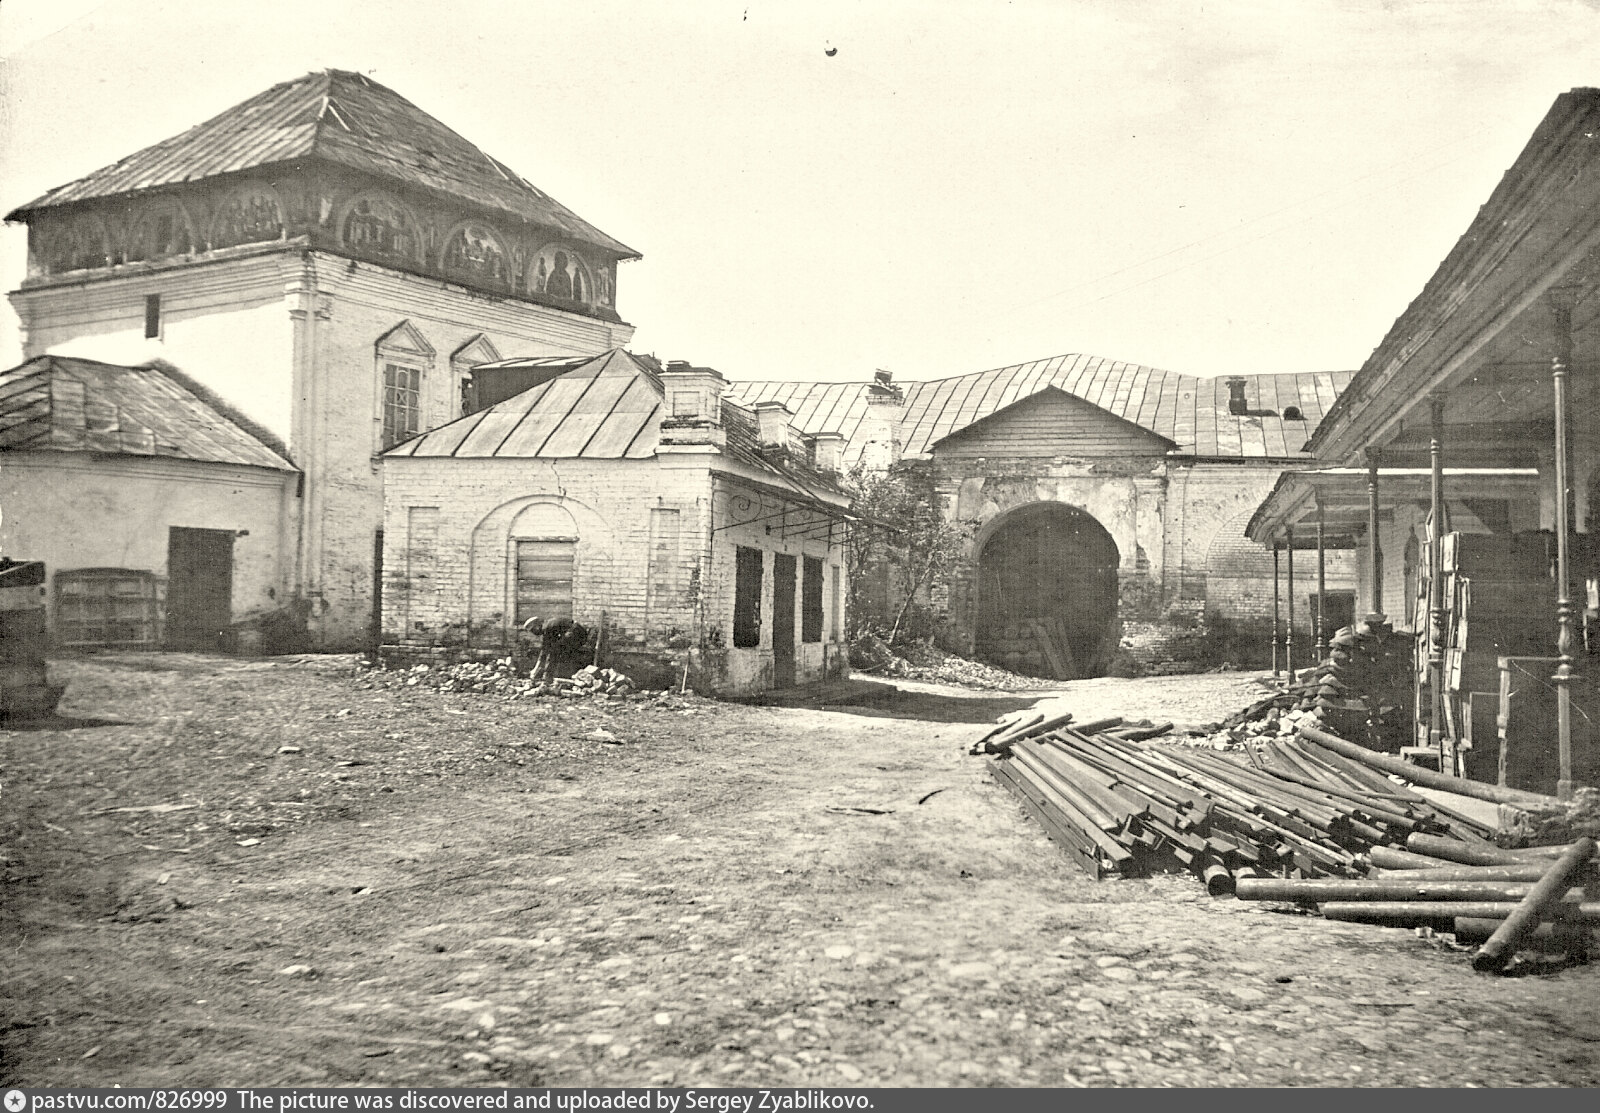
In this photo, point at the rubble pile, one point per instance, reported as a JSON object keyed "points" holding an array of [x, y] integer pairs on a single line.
{"points": [[502, 677], [925, 661], [1362, 691]]}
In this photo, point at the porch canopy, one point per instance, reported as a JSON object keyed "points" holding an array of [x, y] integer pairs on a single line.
{"points": [[1344, 496], [1491, 367]]}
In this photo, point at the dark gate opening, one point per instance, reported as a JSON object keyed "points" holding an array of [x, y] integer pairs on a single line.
{"points": [[783, 663], [1047, 594], [199, 588]]}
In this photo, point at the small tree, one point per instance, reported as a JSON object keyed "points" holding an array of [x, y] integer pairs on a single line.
{"points": [[907, 533]]}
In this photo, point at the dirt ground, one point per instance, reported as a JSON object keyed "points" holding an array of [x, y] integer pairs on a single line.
{"points": [[361, 885]]}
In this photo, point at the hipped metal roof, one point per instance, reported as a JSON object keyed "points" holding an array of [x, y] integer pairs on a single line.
{"points": [[345, 119], [60, 404], [1191, 412], [607, 407]]}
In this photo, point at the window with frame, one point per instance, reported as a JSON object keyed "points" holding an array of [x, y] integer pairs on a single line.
{"points": [[811, 600], [747, 598], [402, 403]]}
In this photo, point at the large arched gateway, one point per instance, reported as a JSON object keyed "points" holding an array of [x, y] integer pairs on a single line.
{"points": [[1047, 593]]}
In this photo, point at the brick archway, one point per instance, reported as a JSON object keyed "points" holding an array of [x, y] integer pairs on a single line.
{"points": [[1047, 572]]}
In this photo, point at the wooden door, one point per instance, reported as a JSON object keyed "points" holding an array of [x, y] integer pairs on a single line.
{"points": [[199, 587], [544, 580], [783, 575]]}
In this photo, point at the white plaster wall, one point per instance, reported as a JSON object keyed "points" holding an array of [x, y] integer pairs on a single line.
{"points": [[75, 510], [222, 324]]}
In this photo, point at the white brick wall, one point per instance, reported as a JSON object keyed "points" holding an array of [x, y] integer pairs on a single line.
{"points": [[666, 594]]}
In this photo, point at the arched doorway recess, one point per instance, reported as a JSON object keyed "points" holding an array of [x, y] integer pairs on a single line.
{"points": [[1048, 574]]}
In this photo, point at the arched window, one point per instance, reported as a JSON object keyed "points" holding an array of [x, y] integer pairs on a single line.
{"points": [[78, 243], [161, 229], [474, 252], [558, 271], [377, 226], [250, 215]]}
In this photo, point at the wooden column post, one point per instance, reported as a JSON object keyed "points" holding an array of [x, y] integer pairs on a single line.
{"points": [[1322, 583], [1374, 546], [1277, 665], [1288, 629], [1566, 637], [1436, 612]]}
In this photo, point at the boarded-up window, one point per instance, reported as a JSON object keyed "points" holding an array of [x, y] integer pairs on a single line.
{"points": [[811, 600], [422, 534], [661, 594], [402, 403], [747, 598], [544, 579]]}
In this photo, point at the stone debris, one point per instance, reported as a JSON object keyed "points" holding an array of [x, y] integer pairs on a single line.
{"points": [[924, 661], [507, 678]]}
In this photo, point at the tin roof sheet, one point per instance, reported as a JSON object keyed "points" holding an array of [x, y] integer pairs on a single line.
{"points": [[343, 118], [1190, 411], [61, 404]]}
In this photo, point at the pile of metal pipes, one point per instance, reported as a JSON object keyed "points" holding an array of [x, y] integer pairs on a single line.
{"points": [[1509, 899], [1122, 808]]}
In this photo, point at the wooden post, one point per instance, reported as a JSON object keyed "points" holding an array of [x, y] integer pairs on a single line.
{"points": [[1277, 668], [1374, 546], [1560, 365], [1288, 629], [1436, 612], [1322, 583]]}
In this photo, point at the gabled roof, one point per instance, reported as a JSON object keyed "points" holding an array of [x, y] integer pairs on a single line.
{"points": [[60, 404], [1154, 441], [342, 118], [606, 407], [1190, 411]]}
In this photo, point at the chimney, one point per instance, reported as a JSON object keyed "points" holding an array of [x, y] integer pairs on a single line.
{"points": [[693, 396], [1236, 402], [772, 426], [829, 450]]}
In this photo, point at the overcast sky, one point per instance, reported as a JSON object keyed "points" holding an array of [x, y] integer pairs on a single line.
{"points": [[822, 189]]}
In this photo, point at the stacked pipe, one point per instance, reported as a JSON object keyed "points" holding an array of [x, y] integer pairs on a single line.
{"points": [[1536, 897], [1126, 809]]}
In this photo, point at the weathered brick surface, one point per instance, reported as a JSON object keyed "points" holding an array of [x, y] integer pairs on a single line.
{"points": [[292, 339], [1193, 587], [664, 595]]}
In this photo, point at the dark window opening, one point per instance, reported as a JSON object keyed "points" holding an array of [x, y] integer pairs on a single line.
{"points": [[811, 600], [152, 316], [747, 598], [1292, 413]]}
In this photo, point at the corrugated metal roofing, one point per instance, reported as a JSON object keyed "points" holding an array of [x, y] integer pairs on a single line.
{"points": [[343, 118], [1190, 411], [606, 408], [817, 407], [58, 404]]}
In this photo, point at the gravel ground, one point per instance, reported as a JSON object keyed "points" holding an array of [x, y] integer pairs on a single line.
{"points": [[358, 885]]}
